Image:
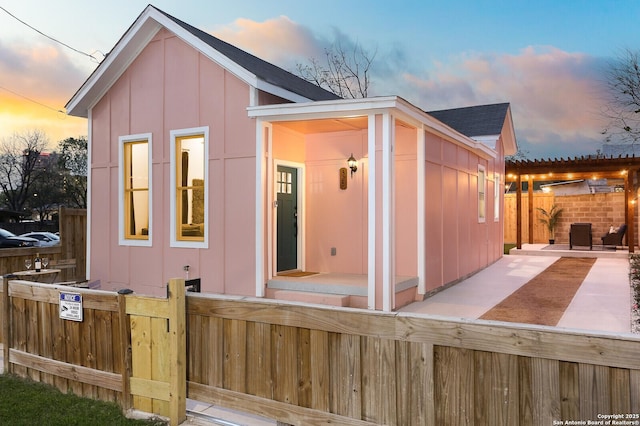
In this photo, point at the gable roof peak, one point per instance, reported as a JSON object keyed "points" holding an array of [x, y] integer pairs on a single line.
{"points": [[249, 68]]}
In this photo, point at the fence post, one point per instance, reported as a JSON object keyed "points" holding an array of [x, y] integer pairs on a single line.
{"points": [[6, 323], [125, 345], [178, 348]]}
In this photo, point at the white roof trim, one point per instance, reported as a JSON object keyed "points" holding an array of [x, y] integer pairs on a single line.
{"points": [[135, 40], [340, 108], [112, 67], [486, 139]]}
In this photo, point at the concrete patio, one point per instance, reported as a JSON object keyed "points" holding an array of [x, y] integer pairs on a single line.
{"points": [[602, 303]]}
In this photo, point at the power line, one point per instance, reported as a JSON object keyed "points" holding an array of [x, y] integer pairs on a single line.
{"points": [[32, 100], [51, 38]]}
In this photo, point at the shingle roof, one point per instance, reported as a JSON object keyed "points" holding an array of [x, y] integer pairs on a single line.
{"points": [[480, 120], [262, 69]]}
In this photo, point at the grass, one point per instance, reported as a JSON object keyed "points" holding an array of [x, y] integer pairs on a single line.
{"points": [[25, 402], [507, 247]]}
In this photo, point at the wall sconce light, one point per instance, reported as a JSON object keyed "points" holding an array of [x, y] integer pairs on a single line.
{"points": [[353, 164]]}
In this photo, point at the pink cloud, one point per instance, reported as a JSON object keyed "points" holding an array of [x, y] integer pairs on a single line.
{"points": [[556, 96], [40, 71], [37, 81], [278, 40]]}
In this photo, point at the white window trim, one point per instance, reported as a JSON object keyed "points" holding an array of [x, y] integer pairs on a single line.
{"points": [[497, 185], [174, 134], [481, 169], [122, 240]]}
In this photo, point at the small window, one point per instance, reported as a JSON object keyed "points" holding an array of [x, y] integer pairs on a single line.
{"points": [[497, 194], [189, 188], [284, 183], [135, 190], [482, 205]]}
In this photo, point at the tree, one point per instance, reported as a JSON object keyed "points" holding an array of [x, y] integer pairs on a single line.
{"points": [[21, 166], [347, 73], [520, 155], [48, 192], [623, 87], [73, 164]]}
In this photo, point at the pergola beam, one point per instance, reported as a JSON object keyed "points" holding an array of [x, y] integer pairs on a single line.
{"points": [[623, 168]]}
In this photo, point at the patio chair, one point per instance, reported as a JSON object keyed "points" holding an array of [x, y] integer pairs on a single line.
{"points": [[580, 235], [614, 238]]}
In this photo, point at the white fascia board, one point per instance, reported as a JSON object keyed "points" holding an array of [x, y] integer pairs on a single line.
{"points": [[487, 140], [337, 108]]}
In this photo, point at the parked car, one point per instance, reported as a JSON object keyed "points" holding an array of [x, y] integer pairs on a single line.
{"points": [[9, 239], [46, 238]]}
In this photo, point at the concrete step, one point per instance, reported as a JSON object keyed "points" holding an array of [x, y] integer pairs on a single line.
{"points": [[308, 297]]}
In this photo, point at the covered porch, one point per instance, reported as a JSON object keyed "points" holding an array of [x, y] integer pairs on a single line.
{"points": [[359, 227]]}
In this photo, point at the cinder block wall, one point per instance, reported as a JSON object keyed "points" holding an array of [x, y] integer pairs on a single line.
{"points": [[601, 210]]}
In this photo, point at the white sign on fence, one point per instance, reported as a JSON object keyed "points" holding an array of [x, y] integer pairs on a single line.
{"points": [[71, 306]]}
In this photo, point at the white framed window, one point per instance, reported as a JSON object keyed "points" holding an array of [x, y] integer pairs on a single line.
{"points": [[482, 191], [189, 184], [135, 190], [497, 194]]}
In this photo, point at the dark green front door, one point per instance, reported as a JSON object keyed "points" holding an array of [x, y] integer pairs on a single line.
{"points": [[287, 190]]}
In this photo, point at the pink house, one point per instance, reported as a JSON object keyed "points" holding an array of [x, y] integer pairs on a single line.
{"points": [[207, 162]]}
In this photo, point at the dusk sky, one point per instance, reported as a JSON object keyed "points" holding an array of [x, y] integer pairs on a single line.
{"points": [[547, 58]]}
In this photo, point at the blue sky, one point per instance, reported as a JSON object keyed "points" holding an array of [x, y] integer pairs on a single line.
{"points": [[546, 58]]}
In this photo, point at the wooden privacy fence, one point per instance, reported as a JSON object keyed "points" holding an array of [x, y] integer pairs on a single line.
{"points": [[73, 245], [128, 349], [308, 365], [540, 233]]}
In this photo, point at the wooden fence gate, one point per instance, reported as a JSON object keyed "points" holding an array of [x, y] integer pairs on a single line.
{"points": [[158, 381]]}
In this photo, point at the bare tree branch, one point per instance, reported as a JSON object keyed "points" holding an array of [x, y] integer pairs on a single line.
{"points": [[347, 73], [20, 166], [623, 86]]}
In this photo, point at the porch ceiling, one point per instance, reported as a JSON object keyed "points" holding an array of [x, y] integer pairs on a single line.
{"points": [[328, 125]]}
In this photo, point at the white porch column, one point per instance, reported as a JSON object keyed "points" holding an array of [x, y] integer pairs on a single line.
{"points": [[262, 139], [371, 210], [388, 213], [421, 216]]}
